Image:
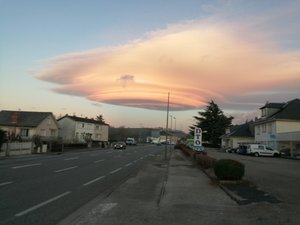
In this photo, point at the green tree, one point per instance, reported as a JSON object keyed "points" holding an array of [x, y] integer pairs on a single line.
{"points": [[213, 122], [100, 118]]}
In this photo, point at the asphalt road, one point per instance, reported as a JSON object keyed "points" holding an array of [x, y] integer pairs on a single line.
{"points": [[44, 189]]}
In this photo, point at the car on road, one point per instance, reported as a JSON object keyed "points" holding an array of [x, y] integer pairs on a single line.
{"points": [[130, 141], [261, 150], [120, 145], [242, 149]]}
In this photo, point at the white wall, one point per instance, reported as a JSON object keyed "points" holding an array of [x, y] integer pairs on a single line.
{"points": [[67, 129], [287, 126]]}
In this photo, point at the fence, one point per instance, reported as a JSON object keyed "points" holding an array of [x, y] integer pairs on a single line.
{"points": [[18, 148]]}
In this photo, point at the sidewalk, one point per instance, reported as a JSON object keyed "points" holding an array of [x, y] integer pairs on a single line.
{"points": [[173, 192]]}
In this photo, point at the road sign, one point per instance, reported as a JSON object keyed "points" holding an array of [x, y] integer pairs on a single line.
{"points": [[198, 137]]}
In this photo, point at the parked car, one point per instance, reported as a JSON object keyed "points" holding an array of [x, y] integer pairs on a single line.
{"points": [[120, 145], [261, 150], [231, 150], [242, 150], [285, 152]]}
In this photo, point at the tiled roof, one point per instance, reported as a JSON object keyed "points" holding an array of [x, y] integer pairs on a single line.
{"points": [[84, 120], [243, 130], [22, 118], [273, 105], [290, 110]]}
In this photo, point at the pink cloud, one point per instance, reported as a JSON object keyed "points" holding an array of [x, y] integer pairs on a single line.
{"points": [[195, 62]]}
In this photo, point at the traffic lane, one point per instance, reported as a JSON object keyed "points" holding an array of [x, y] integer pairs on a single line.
{"points": [[73, 199], [32, 192], [278, 176], [37, 167]]}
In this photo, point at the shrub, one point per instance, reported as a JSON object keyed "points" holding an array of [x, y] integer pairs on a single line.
{"points": [[2, 137], [228, 169], [205, 161]]}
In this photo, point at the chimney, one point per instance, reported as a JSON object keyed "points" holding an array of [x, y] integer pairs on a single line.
{"points": [[14, 118]]}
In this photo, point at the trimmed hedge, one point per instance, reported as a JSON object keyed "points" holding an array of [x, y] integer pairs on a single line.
{"points": [[228, 169], [205, 161]]}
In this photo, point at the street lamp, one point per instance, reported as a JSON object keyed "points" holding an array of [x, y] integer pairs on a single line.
{"points": [[171, 121], [175, 123]]}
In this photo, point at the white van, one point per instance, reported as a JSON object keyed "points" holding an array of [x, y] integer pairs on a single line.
{"points": [[130, 141], [261, 150]]}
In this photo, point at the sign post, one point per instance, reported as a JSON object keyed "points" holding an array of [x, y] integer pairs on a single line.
{"points": [[198, 139]]}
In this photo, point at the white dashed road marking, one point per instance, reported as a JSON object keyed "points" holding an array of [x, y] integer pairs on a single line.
{"points": [[72, 158], [28, 165], [115, 171], [93, 181], [65, 169], [42, 204], [101, 160], [6, 183]]}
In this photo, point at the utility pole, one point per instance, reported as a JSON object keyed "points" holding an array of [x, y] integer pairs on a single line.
{"points": [[167, 125]]}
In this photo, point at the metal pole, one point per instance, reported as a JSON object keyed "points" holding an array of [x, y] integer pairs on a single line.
{"points": [[167, 125], [175, 123]]}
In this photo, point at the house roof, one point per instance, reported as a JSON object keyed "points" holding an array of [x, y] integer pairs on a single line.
{"points": [[81, 119], [273, 105], [22, 118], [290, 110], [243, 130]]}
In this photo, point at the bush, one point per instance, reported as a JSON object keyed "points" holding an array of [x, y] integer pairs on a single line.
{"points": [[2, 137], [228, 169]]}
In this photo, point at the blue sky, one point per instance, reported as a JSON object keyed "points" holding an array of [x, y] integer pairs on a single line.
{"points": [[48, 48]]}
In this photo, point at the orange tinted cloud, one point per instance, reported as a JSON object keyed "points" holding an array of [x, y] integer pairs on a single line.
{"points": [[195, 62]]}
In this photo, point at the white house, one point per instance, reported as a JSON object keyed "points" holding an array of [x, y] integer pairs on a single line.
{"points": [[21, 125], [75, 129], [279, 126], [238, 134]]}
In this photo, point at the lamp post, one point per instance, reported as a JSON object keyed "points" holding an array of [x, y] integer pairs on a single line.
{"points": [[167, 124], [171, 138], [175, 123]]}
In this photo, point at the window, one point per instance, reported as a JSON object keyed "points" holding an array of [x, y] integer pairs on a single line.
{"points": [[52, 132], [270, 128], [258, 130], [43, 132], [264, 128], [24, 132], [263, 112]]}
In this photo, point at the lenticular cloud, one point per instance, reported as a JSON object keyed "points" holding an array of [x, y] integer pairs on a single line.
{"points": [[194, 62]]}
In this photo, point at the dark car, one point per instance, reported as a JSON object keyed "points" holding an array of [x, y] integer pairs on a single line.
{"points": [[242, 150], [120, 145]]}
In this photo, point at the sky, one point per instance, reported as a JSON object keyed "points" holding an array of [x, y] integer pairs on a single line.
{"points": [[121, 58]]}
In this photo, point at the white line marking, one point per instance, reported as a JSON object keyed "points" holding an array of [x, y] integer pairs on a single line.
{"points": [[128, 164], [92, 181], [28, 165], [6, 183], [72, 158], [117, 170], [101, 160], [42, 204], [65, 169]]}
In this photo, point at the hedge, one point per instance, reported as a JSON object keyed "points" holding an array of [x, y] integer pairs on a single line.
{"points": [[228, 169]]}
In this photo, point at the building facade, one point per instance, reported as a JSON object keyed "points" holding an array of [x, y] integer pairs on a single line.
{"points": [[23, 126], [75, 129], [279, 126]]}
